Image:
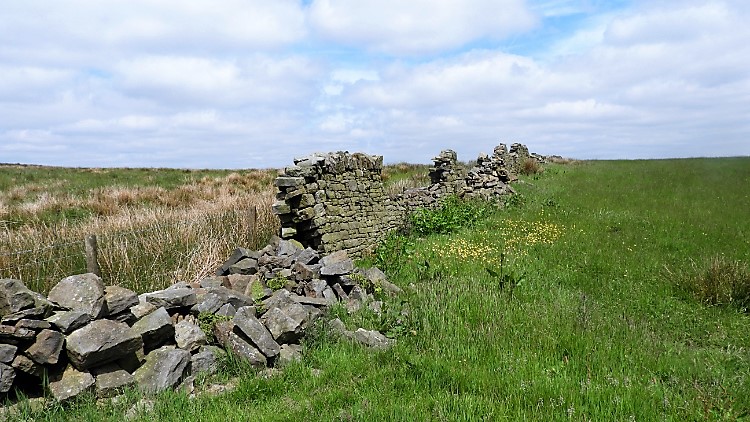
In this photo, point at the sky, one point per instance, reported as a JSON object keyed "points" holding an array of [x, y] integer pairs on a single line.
{"points": [[255, 83]]}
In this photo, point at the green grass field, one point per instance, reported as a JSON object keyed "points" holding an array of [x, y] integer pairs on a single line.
{"points": [[594, 321]]}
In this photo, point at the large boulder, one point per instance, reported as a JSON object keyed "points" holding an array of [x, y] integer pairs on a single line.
{"points": [[69, 321], [83, 292], [164, 369], [101, 342]]}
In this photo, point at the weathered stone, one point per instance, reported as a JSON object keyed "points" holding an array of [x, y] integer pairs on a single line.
{"points": [[287, 232], [227, 310], [316, 301], [209, 303], [100, 342], [239, 282], [33, 324], [111, 380], [247, 266], [289, 353], [69, 321], [132, 360], [7, 353], [378, 278], [305, 272], [189, 336], [340, 292], [155, 329], [288, 248], [14, 296], [172, 298], [232, 297], [13, 335], [373, 339], [71, 384], [287, 182], [164, 368], [286, 324], [206, 360], [243, 349], [47, 347], [142, 309], [119, 299], [23, 364], [281, 207], [82, 292], [33, 313], [126, 316], [237, 255], [221, 331], [337, 263], [308, 256], [213, 282], [280, 298], [7, 375], [246, 321]]}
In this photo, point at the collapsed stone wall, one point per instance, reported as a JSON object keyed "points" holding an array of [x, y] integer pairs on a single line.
{"points": [[85, 336], [337, 201]]}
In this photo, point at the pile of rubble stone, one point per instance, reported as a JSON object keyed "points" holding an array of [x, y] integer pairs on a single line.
{"points": [[489, 179], [85, 336]]}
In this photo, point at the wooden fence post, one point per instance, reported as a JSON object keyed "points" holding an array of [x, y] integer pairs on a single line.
{"points": [[253, 215], [92, 253]]}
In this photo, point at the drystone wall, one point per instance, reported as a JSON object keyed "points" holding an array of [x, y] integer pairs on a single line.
{"points": [[337, 201], [86, 336]]}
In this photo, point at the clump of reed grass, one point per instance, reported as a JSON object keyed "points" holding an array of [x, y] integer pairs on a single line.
{"points": [[531, 166]]}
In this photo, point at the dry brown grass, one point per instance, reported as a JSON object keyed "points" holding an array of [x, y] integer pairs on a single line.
{"points": [[531, 166], [148, 236]]}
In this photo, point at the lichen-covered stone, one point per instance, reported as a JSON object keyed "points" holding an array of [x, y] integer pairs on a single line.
{"points": [[155, 329], [71, 384], [83, 292]]}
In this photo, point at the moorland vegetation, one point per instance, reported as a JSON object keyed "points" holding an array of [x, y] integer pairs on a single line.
{"points": [[606, 290]]}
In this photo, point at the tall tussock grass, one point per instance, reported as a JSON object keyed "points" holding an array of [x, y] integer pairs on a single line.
{"points": [[721, 282], [148, 237]]}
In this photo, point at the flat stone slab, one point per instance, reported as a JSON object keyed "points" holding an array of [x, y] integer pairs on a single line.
{"points": [[69, 321], [111, 379], [83, 292], [119, 299], [164, 369], [337, 263], [258, 334], [100, 342], [71, 384], [245, 350], [155, 329], [172, 298], [28, 366]]}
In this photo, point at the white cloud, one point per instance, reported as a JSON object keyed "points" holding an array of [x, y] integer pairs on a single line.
{"points": [[417, 26]]}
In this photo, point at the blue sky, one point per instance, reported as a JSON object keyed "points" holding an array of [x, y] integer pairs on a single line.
{"points": [[254, 83]]}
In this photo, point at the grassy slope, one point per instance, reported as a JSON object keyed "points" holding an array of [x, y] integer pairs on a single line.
{"points": [[596, 330]]}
